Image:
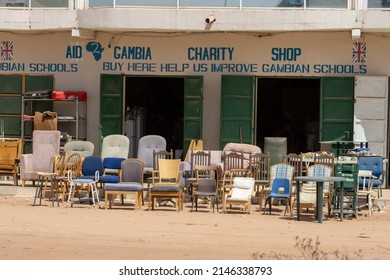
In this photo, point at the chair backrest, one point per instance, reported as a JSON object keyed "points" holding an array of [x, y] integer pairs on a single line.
{"points": [[160, 154], [73, 163], [294, 160], [206, 171], [324, 158], [146, 145], [259, 166], [233, 160], [59, 163], [91, 164], [199, 158], [321, 170], [372, 163], [46, 146], [115, 145], [207, 185], [112, 162], [281, 185], [84, 148], [132, 170], [169, 169], [245, 149], [242, 188], [283, 171], [10, 152]]}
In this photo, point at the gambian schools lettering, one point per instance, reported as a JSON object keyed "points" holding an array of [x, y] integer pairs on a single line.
{"points": [[285, 68], [53, 67], [340, 68]]}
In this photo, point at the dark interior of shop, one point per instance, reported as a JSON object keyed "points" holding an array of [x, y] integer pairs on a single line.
{"points": [[286, 107], [289, 107], [159, 102]]}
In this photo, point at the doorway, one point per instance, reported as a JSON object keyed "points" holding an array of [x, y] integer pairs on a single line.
{"points": [[289, 107], [157, 107]]}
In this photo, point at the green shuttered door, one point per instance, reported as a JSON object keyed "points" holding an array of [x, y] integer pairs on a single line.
{"points": [[193, 109], [237, 112], [337, 100], [111, 104]]}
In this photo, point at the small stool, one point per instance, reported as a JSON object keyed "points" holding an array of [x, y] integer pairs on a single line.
{"points": [[43, 177]]}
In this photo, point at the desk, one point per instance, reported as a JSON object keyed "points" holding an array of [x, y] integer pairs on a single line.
{"points": [[319, 192]]}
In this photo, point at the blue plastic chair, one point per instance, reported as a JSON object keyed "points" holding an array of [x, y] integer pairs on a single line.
{"points": [[280, 189]]}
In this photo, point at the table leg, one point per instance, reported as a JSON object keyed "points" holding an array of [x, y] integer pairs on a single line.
{"points": [[341, 201], [298, 202], [320, 196]]}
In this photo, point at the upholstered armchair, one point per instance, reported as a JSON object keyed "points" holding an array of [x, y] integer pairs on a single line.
{"points": [[115, 146], [146, 145], [84, 148], [45, 147]]}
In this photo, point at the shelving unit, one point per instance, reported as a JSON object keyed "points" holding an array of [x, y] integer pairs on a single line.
{"points": [[28, 108]]}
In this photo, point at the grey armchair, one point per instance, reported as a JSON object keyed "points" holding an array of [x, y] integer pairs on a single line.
{"points": [[146, 145], [45, 147]]}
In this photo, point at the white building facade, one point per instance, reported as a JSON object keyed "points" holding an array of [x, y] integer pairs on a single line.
{"points": [[220, 71]]}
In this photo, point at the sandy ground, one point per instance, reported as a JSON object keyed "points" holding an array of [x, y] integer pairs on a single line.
{"points": [[83, 232]]}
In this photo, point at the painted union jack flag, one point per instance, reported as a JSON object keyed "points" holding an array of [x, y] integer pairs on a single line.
{"points": [[7, 50], [359, 52]]}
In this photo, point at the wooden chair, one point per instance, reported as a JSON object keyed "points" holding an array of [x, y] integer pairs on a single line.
{"points": [[232, 160], [294, 160], [9, 158], [199, 158], [64, 165], [237, 189], [227, 183], [259, 167], [324, 158], [165, 183], [161, 154]]}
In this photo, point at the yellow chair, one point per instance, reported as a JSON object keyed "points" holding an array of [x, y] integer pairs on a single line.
{"points": [[165, 183], [9, 158]]}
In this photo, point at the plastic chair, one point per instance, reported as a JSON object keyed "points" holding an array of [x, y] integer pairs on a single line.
{"points": [[281, 188], [280, 170]]}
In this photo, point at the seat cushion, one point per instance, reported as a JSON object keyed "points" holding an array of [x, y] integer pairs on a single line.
{"points": [[83, 180], [240, 194], [164, 189], [124, 186]]}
